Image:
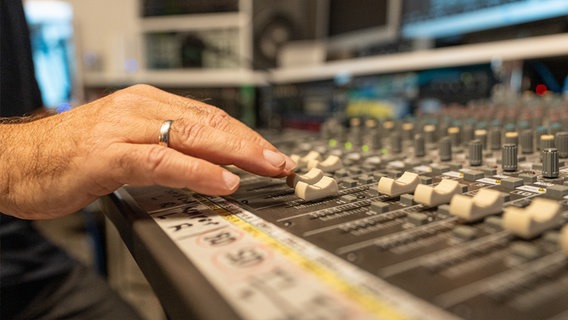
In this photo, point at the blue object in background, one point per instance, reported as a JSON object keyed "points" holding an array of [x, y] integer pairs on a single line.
{"points": [[51, 28], [62, 107]]}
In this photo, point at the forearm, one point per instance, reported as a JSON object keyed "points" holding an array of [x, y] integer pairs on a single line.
{"points": [[14, 162], [31, 162]]}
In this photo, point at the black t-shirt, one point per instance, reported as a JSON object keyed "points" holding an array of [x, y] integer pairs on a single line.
{"points": [[25, 255], [20, 93]]}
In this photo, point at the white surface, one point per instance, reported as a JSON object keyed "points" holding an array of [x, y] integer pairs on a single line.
{"points": [[302, 53]]}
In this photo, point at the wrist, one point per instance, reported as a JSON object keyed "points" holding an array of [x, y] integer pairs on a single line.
{"points": [[26, 166]]}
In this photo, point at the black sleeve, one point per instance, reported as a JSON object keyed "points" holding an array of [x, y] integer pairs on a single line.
{"points": [[19, 93]]}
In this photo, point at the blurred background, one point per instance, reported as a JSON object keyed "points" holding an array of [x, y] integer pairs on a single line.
{"points": [[289, 64]]}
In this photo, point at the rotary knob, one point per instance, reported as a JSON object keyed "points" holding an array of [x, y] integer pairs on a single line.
{"points": [[550, 163], [509, 158], [561, 142], [467, 134], [430, 134], [511, 137], [419, 146], [546, 142], [475, 153], [396, 142], [495, 139], [445, 147], [454, 134], [481, 135], [527, 141]]}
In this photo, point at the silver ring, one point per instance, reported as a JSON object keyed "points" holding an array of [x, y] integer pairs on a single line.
{"points": [[164, 138]]}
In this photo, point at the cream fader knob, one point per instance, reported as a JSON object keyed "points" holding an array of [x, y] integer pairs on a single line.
{"points": [[564, 239], [435, 196], [541, 215], [485, 202], [312, 155], [303, 161], [325, 187], [393, 188], [311, 177], [331, 163], [296, 158]]}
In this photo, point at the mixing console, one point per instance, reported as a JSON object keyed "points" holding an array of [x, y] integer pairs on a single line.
{"points": [[459, 215]]}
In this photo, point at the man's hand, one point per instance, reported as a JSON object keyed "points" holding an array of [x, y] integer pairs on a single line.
{"points": [[59, 164]]}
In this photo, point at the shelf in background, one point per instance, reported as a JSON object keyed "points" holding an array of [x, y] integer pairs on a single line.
{"points": [[528, 48], [179, 78], [206, 21]]}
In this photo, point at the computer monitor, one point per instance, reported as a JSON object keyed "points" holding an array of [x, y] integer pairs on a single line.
{"points": [[355, 25], [435, 19]]}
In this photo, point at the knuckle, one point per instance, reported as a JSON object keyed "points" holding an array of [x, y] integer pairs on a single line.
{"points": [[189, 132], [123, 101], [140, 88], [241, 146], [155, 158], [218, 119], [192, 168], [258, 139]]}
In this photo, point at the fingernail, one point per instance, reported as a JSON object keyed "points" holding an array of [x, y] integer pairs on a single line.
{"points": [[274, 158], [231, 180], [290, 164]]}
